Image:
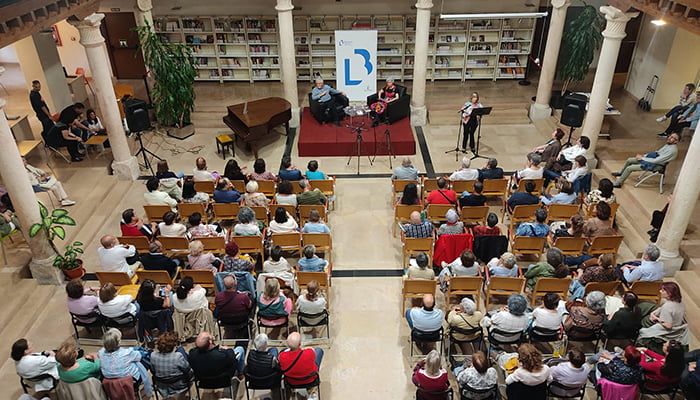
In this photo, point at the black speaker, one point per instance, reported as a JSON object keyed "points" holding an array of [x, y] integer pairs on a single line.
{"points": [[574, 110], [137, 115]]}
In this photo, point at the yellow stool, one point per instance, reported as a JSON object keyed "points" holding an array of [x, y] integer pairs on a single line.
{"points": [[223, 142]]}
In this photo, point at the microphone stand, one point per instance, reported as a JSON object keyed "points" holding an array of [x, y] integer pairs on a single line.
{"points": [[460, 132]]}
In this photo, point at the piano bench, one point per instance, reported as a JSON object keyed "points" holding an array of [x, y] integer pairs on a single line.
{"points": [[223, 142]]}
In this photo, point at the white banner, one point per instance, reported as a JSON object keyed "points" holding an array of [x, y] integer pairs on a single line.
{"points": [[356, 63]]}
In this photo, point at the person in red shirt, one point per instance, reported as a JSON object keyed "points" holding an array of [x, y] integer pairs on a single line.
{"points": [[664, 370], [132, 225], [442, 195], [299, 366], [430, 377], [491, 229]]}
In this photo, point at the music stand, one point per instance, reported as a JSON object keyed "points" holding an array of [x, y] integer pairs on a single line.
{"points": [[387, 143], [460, 132], [479, 112]]}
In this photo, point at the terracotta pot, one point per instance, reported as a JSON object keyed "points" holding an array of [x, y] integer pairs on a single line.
{"points": [[75, 272]]}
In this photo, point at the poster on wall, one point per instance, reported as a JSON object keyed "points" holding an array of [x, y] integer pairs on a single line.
{"points": [[356, 63], [55, 35]]}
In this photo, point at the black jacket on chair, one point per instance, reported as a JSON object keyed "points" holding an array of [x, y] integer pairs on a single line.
{"points": [[158, 262], [395, 110]]}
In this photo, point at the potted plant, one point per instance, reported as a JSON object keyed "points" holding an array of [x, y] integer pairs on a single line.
{"points": [[69, 263], [173, 69], [579, 45]]}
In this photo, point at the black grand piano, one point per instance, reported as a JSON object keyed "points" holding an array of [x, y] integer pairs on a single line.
{"points": [[261, 116]]}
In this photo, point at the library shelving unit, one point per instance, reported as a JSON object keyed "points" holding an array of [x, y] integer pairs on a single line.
{"points": [[241, 48]]}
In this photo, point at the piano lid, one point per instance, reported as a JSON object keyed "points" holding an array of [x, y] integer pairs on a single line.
{"points": [[260, 111]]}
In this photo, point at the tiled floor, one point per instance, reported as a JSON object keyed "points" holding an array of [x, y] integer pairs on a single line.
{"points": [[368, 356]]}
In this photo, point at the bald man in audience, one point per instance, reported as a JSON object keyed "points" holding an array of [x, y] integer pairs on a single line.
{"points": [[418, 227], [209, 360], [406, 171], [425, 318], [297, 364], [117, 258]]}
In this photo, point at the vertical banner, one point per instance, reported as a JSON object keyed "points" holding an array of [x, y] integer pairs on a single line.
{"points": [[356, 63]]}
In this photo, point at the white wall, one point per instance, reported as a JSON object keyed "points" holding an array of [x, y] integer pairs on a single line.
{"points": [[72, 53], [8, 55], [681, 68]]}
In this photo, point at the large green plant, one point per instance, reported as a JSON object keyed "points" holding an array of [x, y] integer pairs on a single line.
{"points": [[581, 40], [174, 69], [52, 225]]}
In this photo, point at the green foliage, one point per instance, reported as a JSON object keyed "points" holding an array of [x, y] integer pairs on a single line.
{"points": [[51, 225], [69, 259], [581, 40], [174, 69]]}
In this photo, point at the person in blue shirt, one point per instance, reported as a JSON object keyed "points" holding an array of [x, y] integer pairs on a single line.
{"points": [[565, 196], [315, 225], [331, 100], [491, 170], [523, 198], [288, 171], [313, 173], [226, 193], [536, 229], [311, 262], [649, 269]]}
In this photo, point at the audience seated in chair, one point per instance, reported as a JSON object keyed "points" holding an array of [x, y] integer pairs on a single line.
{"points": [[420, 270], [189, 297], [209, 360], [532, 169], [519, 198], [531, 371], [552, 268], [464, 265], [132, 225], [122, 362], [72, 368], [626, 321], [312, 302], [253, 198], [308, 361], [600, 224], [200, 229], [117, 258], [651, 161], [315, 225], [79, 301], [170, 182], [603, 193], [475, 198], [572, 228], [666, 322], [200, 173], [511, 318], [565, 159], [588, 316], [503, 266], [225, 192], [619, 368], [429, 376], [169, 226], [453, 226], [61, 135], [171, 369], [648, 269], [426, 318], [479, 375], [155, 260], [191, 196], [465, 316], [113, 305], [406, 171], [547, 316], [311, 262], [534, 229], [262, 366], [247, 224], [549, 149], [566, 195], [288, 171], [491, 170], [283, 222], [312, 172], [594, 270], [572, 374], [29, 364], [465, 173], [155, 196], [662, 371], [200, 260], [42, 179], [234, 261], [490, 229], [273, 307], [418, 228], [233, 307], [260, 173], [234, 172], [310, 196]]}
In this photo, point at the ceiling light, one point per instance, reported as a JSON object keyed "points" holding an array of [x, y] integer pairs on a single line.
{"points": [[493, 15], [658, 22]]}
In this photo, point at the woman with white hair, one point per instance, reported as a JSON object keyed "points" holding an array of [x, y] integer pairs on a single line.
{"points": [[453, 226], [247, 224], [465, 316], [511, 318], [121, 362], [198, 259], [584, 318], [262, 365], [429, 376], [253, 198]]}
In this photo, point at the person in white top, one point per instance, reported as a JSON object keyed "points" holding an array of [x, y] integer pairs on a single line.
{"points": [[93, 123], [189, 297], [312, 302], [38, 177], [573, 374], [530, 372], [532, 169], [156, 197], [113, 305], [169, 227], [547, 316], [29, 364], [113, 257], [580, 169], [465, 173], [566, 157], [200, 173]]}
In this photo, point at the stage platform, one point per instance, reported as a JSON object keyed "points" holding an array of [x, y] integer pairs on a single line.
{"points": [[316, 140]]}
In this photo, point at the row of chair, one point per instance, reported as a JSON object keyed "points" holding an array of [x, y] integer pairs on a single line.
{"points": [[229, 211], [269, 188]]}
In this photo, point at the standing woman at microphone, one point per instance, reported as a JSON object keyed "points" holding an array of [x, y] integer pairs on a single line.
{"points": [[469, 124]]}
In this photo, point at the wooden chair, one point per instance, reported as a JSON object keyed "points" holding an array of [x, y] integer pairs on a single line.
{"points": [[402, 213], [260, 214], [155, 213], [609, 288], [397, 186], [539, 183], [296, 187], [327, 187], [303, 278], [322, 241], [561, 212], [202, 277], [461, 186], [550, 285], [415, 289], [121, 280], [175, 244], [206, 187], [475, 214], [501, 286], [288, 241], [413, 246], [268, 188], [605, 244], [646, 290], [159, 277], [464, 286], [495, 187], [141, 243], [250, 245], [570, 246], [590, 212], [305, 209], [226, 211], [522, 213], [240, 186], [216, 244], [428, 185], [529, 245], [292, 210], [187, 209], [436, 212]]}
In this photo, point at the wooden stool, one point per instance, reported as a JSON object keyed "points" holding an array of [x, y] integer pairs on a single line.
{"points": [[223, 142]]}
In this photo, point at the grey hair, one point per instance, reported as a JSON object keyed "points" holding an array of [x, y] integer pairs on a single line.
{"points": [[492, 162], [432, 363], [406, 162], [251, 187], [230, 281], [260, 342], [468, 306], [303, 183], [517, 304], [318, 80], [596, 301], [535, 158], [508, 260], [466, 162], [111, 340], [554, 257], [451, 216], [652, 252], [246, 215]]}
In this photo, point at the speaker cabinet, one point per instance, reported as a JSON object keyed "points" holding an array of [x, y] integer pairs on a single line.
{"points": [[136, 113], [574, 110]]}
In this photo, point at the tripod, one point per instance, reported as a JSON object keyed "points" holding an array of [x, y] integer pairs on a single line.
{"points": [[387, 143], [568, 141], [460, 132], [358, 147], [479, 112], [143, 150]]}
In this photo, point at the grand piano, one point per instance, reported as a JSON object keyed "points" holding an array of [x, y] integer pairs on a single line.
{"points": [[261, 117]]}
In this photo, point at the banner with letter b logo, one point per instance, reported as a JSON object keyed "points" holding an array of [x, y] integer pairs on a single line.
{"points": [[356, 63]]}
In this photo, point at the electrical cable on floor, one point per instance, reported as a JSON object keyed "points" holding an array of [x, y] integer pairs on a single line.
{"points": [[171, 146]]}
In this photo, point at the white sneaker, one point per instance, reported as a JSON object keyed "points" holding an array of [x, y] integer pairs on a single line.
{"points": [[661, 118], [314, 396], [67, 202]]}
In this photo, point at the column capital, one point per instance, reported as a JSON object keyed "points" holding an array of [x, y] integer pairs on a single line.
{"points": [[557, 4], [616, 22], [143, 5], [284, 5], [89, 29], [424, 4]]}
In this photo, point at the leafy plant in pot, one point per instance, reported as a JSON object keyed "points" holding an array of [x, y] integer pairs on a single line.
{"points": [[68, 262], [173, 68]]}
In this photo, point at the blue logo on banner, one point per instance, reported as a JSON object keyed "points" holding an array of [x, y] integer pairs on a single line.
{"points": [[368, 66]]}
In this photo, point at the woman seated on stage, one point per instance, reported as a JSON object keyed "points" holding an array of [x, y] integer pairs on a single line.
{"points": [[387, 94]]}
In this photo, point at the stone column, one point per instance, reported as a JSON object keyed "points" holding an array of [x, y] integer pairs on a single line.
{"points": [[541, 109], [420, 63], [142, 13], [612, 37], [287, 58], [125, 165], [14, 178], [685, 196]]}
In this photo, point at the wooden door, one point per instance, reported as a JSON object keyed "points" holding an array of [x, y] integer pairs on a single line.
{"points": [[123, 45]]}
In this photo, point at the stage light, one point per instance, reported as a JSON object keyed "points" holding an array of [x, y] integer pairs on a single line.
{"points": [[658, 22], [494, 15]]}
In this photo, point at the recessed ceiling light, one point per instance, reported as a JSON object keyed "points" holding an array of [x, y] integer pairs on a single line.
{"points": [[658, 22]]}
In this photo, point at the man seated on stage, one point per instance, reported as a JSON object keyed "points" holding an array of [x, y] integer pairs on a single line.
{"points": [[565, 160], [327, 97], [519, 198], [465, 173], [132, 225], [649, 161], [406, 171], [491, 170], [441, 195], [309, 196], [475, 198], [688, 119]]}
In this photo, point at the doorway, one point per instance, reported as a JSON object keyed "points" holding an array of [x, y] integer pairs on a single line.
{"points": [[123, 45]]}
